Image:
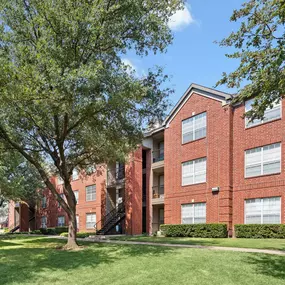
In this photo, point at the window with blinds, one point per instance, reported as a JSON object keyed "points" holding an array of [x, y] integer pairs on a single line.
{"points": [[263, 160], [90, 221], [194, 171], [91, 193], [269, 114], [194, 128], [263, 211], [61, 221], [193, 213]]}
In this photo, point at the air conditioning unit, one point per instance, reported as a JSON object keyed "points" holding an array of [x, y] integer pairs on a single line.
{"points": [[215, 189]]}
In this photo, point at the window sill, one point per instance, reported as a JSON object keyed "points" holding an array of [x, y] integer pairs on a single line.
{"points": [[261, 124], [194, 184], [263, 175]]}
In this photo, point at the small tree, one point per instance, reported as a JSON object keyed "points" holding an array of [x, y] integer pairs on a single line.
{"points": [[67, 99], [260, 46], [19, 180]]}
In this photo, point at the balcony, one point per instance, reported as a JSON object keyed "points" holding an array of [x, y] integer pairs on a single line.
{"points": [[115, 175], [158, 194], [158, 158]]}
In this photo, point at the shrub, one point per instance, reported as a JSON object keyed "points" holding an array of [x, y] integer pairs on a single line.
{"points": [[48, 231], [195, 230], [59, 230], [35, 232], [80, 234], [260, 231]]}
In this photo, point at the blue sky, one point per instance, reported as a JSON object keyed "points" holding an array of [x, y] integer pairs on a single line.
{"points": [[194, 57]]}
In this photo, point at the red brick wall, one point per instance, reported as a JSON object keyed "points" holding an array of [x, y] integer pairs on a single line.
{"points": [[262, 186], [133, 192], [216, 147], [52, 211]]}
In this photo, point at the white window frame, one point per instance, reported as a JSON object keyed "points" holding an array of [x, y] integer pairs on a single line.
{"points": [[75, 174], [44, 202], [93, 223], [60, 224], [76, 196], [77, 222], [193, 120], [262, 161], [193, 218], [43, 225], [194, 161], [275, 105], [262, 209], [86, 195]]}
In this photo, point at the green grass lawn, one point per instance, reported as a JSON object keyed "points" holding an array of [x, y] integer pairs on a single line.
{"points": [[227, 242], [35, 260]]}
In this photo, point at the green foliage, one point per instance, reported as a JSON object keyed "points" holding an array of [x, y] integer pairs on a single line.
{"points": [[260, 46], [35, 232], [67, 100], [260, 231], [19, 179], [53, 231], [195, 230], [80, 234]]}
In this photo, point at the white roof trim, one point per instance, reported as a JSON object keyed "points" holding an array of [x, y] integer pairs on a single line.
{"points": [[197, 89]]}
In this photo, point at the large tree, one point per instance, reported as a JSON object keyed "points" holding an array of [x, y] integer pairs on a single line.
{"points": [[67, 100], [259, 44]]}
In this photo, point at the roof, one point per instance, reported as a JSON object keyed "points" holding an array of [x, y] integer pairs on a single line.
{"points": [[223, 97], [201, 90]]}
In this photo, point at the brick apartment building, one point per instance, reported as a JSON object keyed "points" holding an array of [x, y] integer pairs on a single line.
{"points": [[204, 164]]}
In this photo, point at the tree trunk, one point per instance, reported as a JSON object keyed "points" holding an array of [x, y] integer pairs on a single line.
{"points": [[72, 229]]}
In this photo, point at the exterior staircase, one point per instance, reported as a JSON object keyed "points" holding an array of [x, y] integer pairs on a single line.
{"points": [[112, 219]]}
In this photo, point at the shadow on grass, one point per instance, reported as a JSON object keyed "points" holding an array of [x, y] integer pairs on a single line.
{"points": [[35, 256], [270, 265]]}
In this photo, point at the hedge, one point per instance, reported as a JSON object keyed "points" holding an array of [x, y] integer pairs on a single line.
{"points": [[80, 234], [54, 231], [260, 231], [195, 230]]}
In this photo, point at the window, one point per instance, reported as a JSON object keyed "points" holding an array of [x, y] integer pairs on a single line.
{"points": [[269, 114], [77, 222], [90, 169], [194, 171], [61, 221], [91, 193], [59, 180], [75, 174], [44, 202], [90, 221], [263, 211], [194, 128], [62, 196], [43, 222], [76, 193], [193, 213], [263, 160]]}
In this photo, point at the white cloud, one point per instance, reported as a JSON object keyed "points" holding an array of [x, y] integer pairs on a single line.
{"points": [[181, 19], [130, 66]]}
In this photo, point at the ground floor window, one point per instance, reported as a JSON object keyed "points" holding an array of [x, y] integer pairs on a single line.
{"points": [[77, 222], [194, 213], [263, 211], [43, 222], [61, 221], [90, 221]]}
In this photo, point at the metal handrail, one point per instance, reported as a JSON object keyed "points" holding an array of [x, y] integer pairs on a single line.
{"points": [[108, 217], [158, 154], [157, 191]]}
